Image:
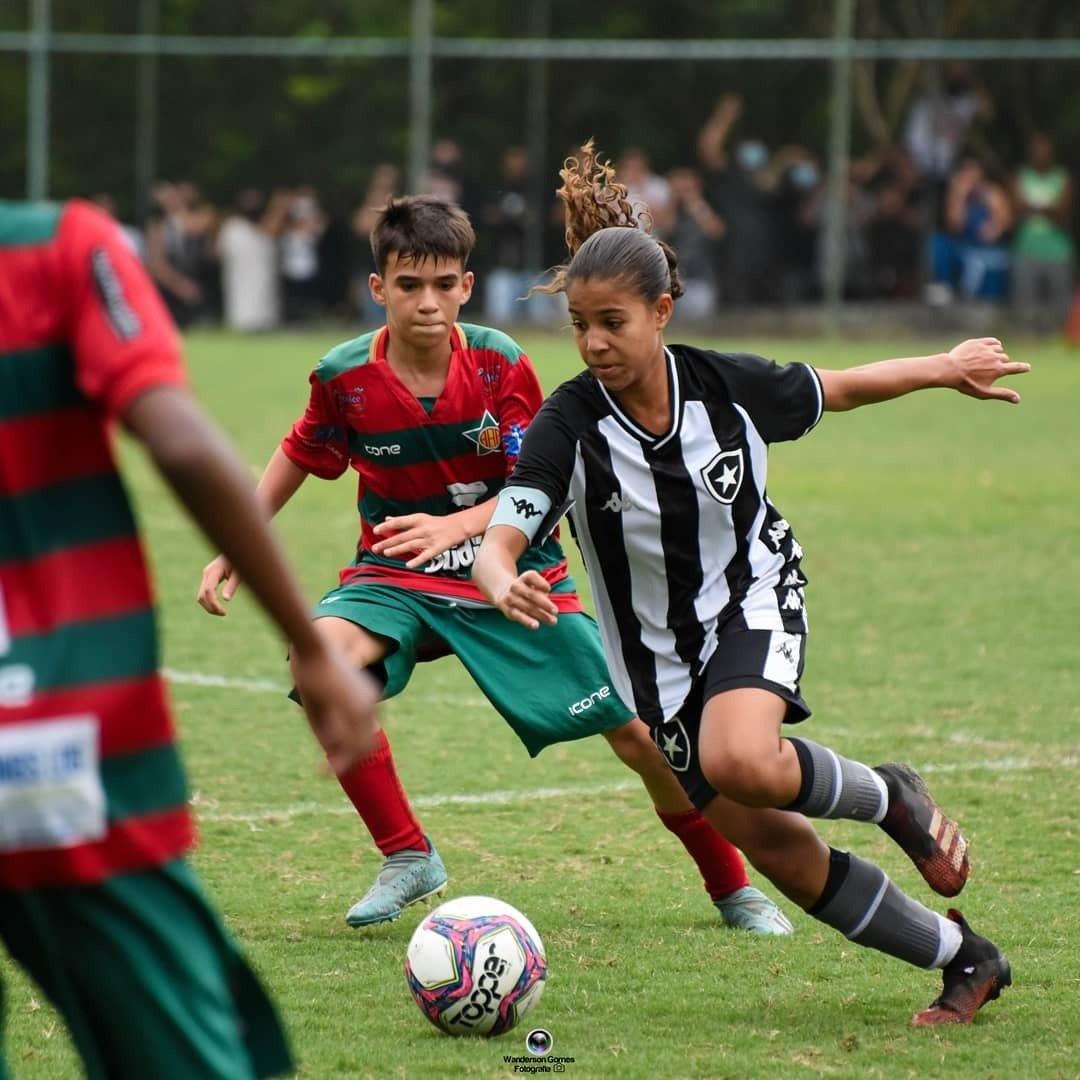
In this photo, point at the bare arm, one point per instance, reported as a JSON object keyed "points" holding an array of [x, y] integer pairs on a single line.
{"points": [[972, 367], [213, 485], [712, 140], [521, 597], [429, 535], [280, 481]]}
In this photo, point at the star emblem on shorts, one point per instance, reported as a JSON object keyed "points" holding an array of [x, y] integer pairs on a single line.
{"points": [[486, 437], [671, 745]]}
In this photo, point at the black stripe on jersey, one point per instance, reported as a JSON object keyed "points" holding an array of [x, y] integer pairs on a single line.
{"points": [[680, 541], [744, 509], [606, 534]]}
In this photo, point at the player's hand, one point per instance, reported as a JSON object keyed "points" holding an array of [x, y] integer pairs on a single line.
{"points": [[214, 573], [527, 600], [420, 536], [976, 364], [341, 705]]}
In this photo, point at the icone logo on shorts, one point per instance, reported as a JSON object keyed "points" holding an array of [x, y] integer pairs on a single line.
{"points": [[587, 703]]}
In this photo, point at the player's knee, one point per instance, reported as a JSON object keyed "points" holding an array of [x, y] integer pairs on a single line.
{"points": [[634, 747], [740, 775]]}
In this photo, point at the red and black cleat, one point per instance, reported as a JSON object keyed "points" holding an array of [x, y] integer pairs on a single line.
{"points": [[977, 974], [932, 841]]}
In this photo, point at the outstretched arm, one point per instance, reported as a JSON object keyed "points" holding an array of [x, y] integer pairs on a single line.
{"points": [[213, 485], [972, 367], [279, 483]]}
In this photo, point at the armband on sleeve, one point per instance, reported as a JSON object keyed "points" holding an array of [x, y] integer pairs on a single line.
{"points": [[526, 509]]}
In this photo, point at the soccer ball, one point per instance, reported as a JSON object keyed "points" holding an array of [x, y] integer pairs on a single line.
{"points": [[475, 966]]}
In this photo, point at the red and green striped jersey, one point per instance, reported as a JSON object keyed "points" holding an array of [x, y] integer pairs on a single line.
{"points": [[411, 460], [90, 782]]}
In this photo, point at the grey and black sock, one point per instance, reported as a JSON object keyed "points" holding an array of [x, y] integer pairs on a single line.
{"points": [[862, 903], [837, 787]]}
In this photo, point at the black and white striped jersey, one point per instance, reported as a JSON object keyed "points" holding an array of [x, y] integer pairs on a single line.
{"points": [[676, 531]]}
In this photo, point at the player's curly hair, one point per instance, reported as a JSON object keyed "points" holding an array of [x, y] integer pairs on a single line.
{"points": [[607, 236]]}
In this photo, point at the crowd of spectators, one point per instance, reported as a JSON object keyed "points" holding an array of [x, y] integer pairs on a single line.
{"points": [[926, 218]]}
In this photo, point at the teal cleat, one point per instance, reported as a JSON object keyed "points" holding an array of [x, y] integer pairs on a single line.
{"points": [[749, 909], [405, 878]]}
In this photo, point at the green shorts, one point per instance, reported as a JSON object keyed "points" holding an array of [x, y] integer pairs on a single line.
{"points": [[550, 685], [146, 978]]}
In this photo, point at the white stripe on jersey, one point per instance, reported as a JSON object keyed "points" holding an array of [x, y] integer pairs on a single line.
{"points": [[760, 607]]}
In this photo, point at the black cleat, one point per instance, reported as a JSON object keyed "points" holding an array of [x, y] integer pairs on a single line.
{"points": [[932, 841], [977, 974]]}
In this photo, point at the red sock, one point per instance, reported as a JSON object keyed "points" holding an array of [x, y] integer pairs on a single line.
{"points": [[374, 789], [719, 861]]}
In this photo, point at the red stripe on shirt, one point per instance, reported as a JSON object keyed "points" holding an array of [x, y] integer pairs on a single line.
{"points": [[133, 844], [134, 713], [50, 447], [92, 581], [436, 585]]}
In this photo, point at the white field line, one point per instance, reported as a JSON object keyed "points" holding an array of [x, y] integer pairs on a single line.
{"points": [[267, 686], [513, 798], [510, 797], [225, 682]]}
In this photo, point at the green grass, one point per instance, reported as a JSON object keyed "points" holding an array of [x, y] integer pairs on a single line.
{"points": [[941, 539]]}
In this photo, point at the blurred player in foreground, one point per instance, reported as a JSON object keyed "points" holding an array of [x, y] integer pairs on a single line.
{"points": [[97, 900]]}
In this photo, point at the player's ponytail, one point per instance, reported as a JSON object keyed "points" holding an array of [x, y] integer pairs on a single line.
{"points": [[607, 236]]}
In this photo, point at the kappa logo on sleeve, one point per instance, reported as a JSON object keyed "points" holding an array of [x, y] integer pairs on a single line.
{"points": [[524, 508]]}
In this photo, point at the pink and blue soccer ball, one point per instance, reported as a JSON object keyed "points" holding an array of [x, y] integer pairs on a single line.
{"points": [[475, 966]]}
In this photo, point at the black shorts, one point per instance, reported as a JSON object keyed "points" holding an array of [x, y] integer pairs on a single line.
{"points": [[770, 660]]}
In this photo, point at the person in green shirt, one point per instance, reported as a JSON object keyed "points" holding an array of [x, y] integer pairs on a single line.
{"points": [[1043, 257]]}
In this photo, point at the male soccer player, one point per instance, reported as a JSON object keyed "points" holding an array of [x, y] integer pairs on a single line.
{"points": [[430, 413], [97, 901]]}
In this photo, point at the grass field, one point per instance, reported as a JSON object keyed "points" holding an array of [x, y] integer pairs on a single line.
{"points": [[942, 541]]}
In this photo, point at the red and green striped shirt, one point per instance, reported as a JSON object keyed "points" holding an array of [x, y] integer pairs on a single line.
{"points": [[90, 781], [411, 460]]}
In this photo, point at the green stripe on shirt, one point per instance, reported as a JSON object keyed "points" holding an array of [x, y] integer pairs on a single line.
{"points": [[65, 515], [84, 653], [34, 381]]}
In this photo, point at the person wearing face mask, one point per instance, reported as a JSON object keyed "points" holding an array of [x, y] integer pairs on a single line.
{"points": [[796, 206], [740, 184]]}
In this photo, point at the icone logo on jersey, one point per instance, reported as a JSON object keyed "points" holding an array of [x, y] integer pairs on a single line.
{"points": [[388, 450]]}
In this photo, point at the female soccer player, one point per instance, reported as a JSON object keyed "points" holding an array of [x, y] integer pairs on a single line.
{"points": [[660, 453]]}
